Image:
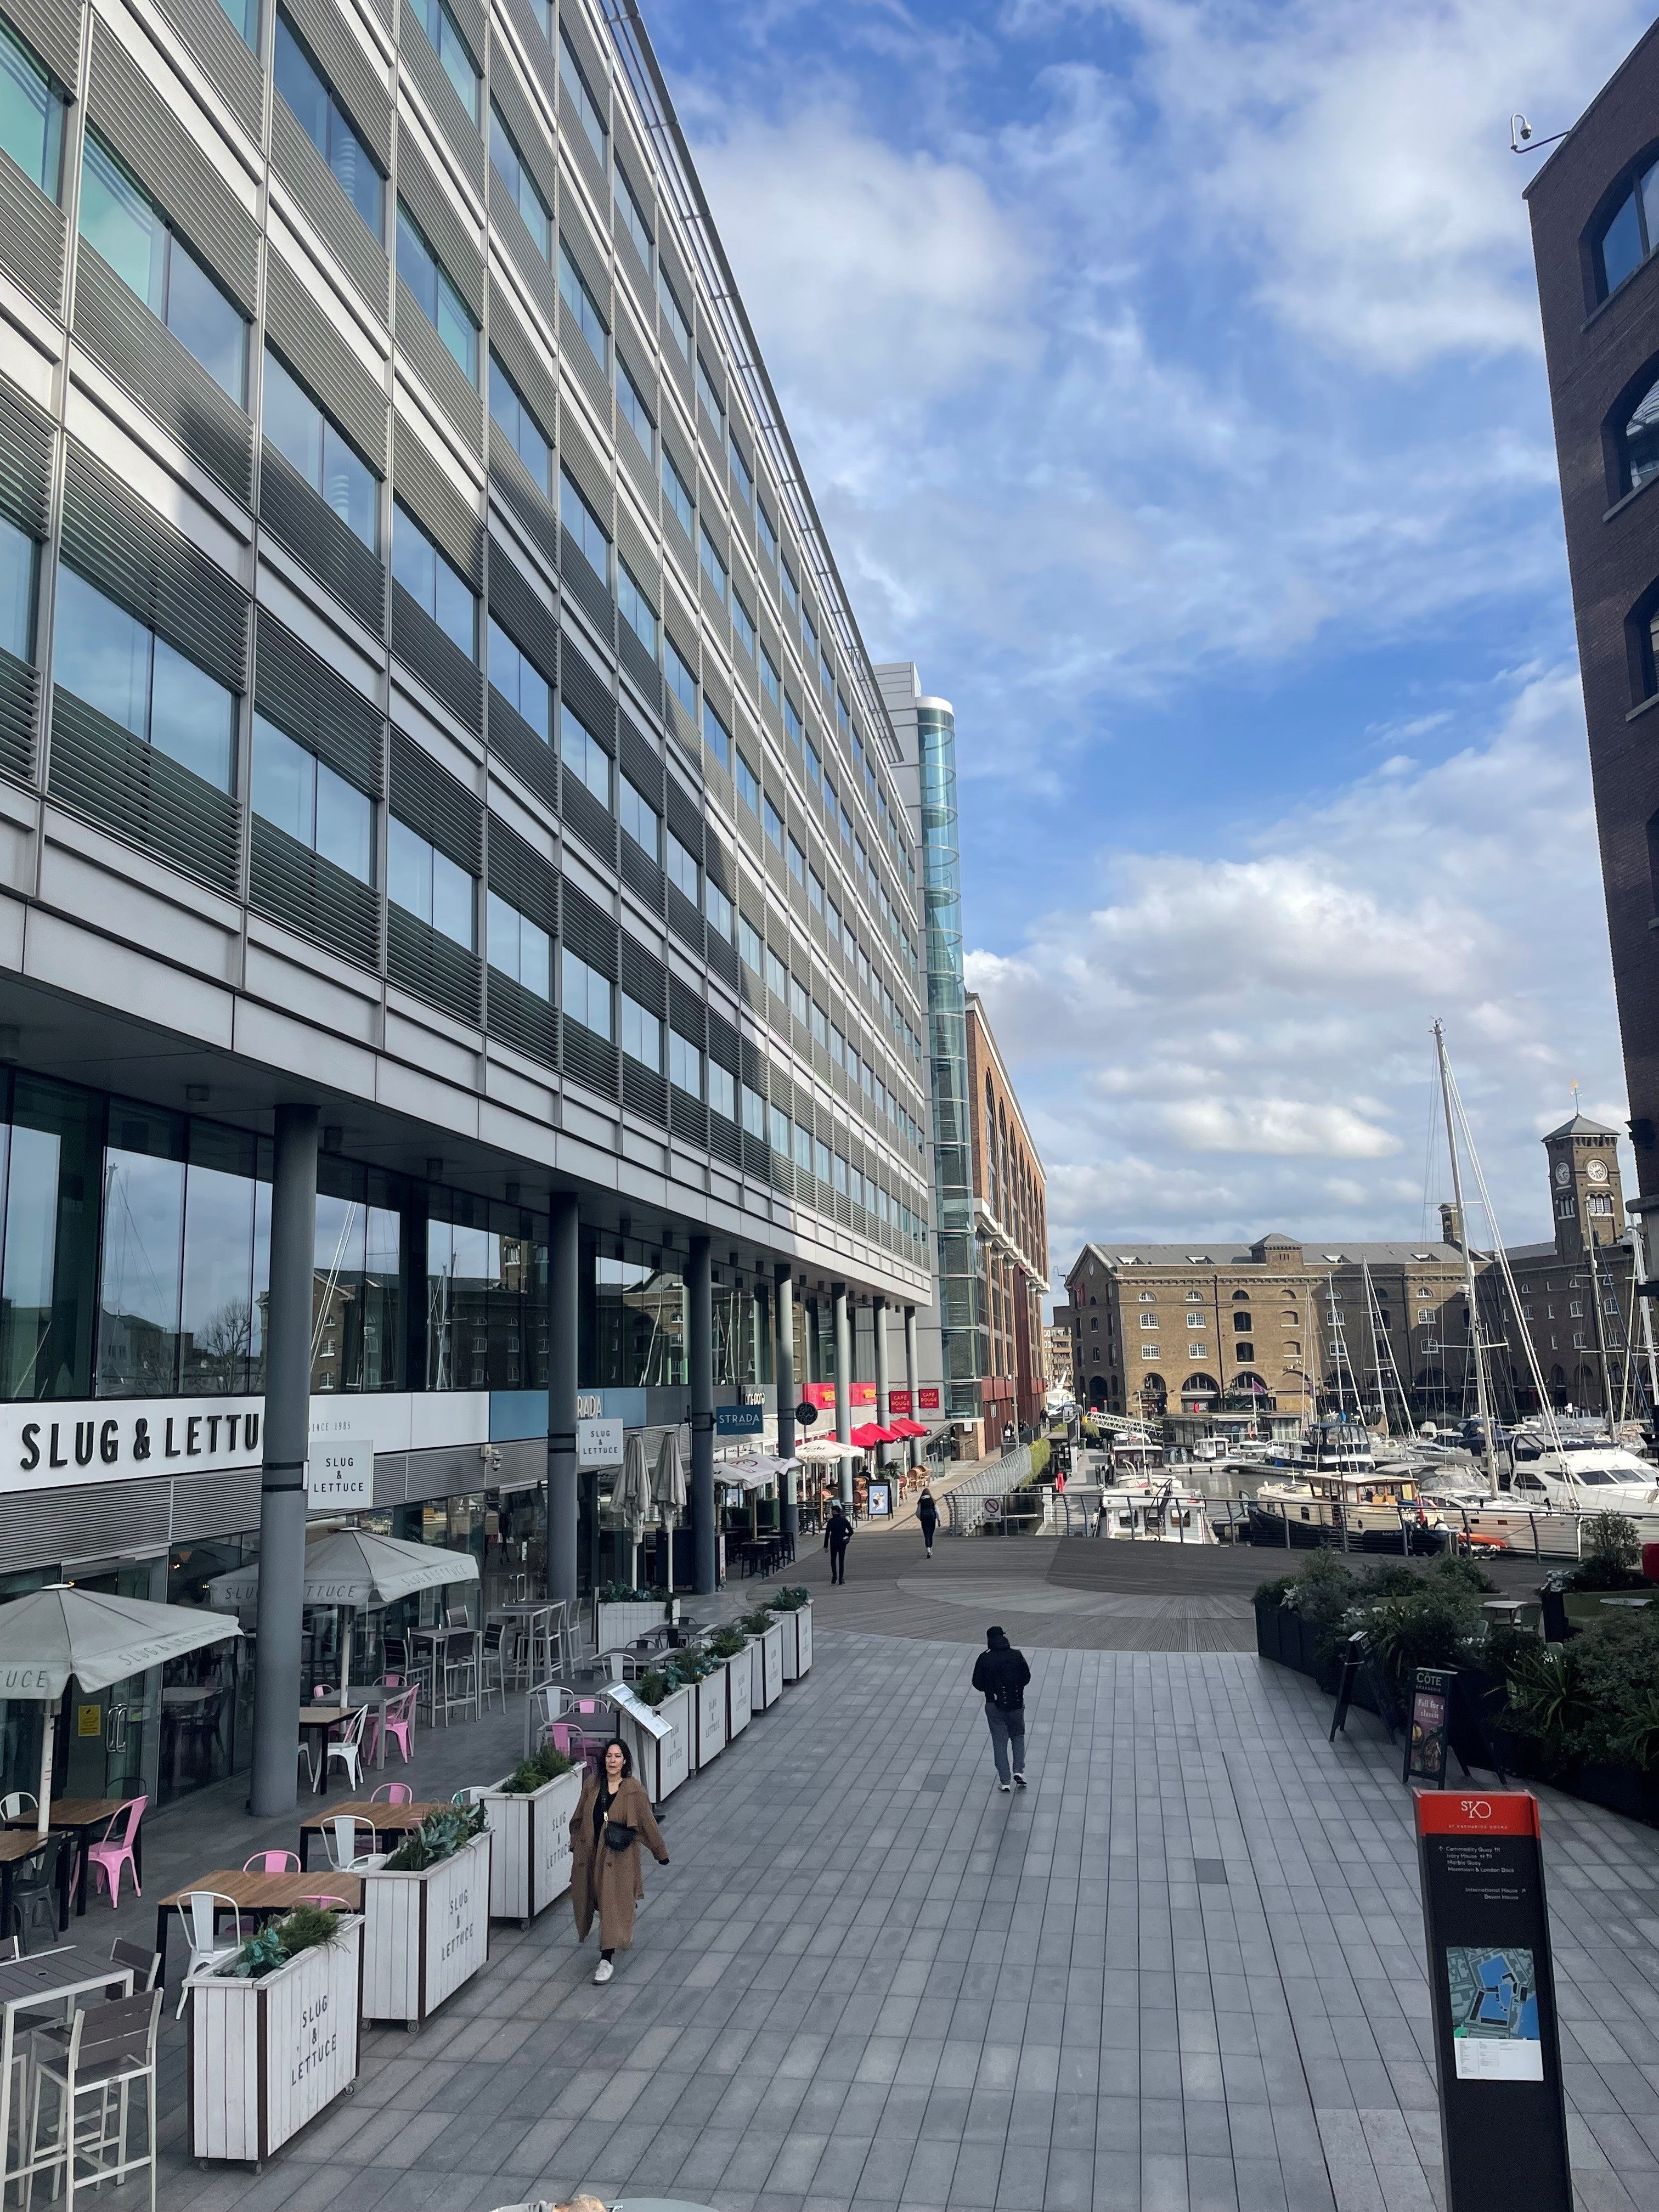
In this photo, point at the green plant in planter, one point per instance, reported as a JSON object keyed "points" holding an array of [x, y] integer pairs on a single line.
{"points": [[656, 1684], [279, 1941], [624, 1594], [1546, 1703], [439, 1837], [536, 1772], [727, 1641], [1439, 1623], [791, 1598], [1610, 1558], [757, 1622], [690, 1665]]}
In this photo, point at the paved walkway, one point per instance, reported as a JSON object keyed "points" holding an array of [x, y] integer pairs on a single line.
{"points": [[1184, 1972]]}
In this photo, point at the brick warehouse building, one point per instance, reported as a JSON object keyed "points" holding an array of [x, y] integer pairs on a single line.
{"points": [[1011, 1223]]}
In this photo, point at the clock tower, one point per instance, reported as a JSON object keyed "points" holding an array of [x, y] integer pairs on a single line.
{"points": [[1587, 1196]]}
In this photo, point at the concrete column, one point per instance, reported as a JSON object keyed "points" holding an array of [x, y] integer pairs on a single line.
{"points": [[563, 1257], [844, 1384], [783, 1366], [911, 1385], [274, 1783], [699, 1349], [883, 1385]]}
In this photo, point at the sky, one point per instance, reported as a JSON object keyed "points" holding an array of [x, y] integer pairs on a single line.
{"points": [[1169, 377]]}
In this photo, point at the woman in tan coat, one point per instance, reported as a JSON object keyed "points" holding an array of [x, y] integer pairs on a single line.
{"points": [[614, 1809]]}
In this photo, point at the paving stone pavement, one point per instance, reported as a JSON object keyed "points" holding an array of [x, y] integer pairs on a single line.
{"points": [[870, 1983]]}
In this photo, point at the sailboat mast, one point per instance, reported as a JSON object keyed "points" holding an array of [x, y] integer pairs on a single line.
{"points": [[1475, 1343], [1376, 1363]]}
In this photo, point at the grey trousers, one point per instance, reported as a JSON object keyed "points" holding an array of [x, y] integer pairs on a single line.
{"points": [[1007, 1735]]}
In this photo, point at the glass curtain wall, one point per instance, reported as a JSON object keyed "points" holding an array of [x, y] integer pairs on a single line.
{"points": [[486, 1296], [632, 1328], [356, 1328]]}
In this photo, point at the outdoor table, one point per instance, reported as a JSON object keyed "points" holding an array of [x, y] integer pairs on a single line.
{"points": [[386, 1820], [26, 1984], [79, 1816], [259, 1895], [316, 1721]]}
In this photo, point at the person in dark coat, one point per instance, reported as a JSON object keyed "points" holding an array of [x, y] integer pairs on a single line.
{"points": [[1000, 1675], [928, 1514], [603, 1879], [837, 1536]]}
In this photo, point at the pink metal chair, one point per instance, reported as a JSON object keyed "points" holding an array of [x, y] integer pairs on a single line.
{"points": [[394, 1793], [112, 1852], [273, 1863], [399, 1720], [568, 1739]]}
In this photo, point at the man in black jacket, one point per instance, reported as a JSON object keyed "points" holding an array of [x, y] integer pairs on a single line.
{"points": [[1000, 1674], [837, 1536]]}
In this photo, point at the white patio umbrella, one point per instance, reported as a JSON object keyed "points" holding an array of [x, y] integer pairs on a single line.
{"points": [[353, 1568], [825, 1448], [668, 1490], [60, 1631], [630, 1501]]}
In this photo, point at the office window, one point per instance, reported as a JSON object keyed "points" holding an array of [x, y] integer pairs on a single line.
{"points": [[436, 297], [780, 1128], [832, 922], [777, 977], [683, 870], [749, 944], [858, 1187], [639, 818], [585, 993], [107, 657], [810, 637], [641, 1034], [577, 516], [1630, 233], [519, 947], [520, 185], [837, 1047], [31, 115], [428, 884], [673, 315], [820, 1025], [433, 582], [717, 910], [772, 822], [678, 492], [742, 623], [325, 123], [722, 1090], [632, 213], [580, 751], [709, 396], [509, 412], [633, 409], [581, 303], [769, 685], [748, 785], [802, 1148], [754, 1112], [243, 16], [840, 1174], [18, 569], [710, 562], [637, 610], [797, 864], [742, 476], [800, 1005], [769, 536], [680, 682], [846, 830], [791, 588], [826, 675], [829, 799], [305, 436], [814, 765], [815, 890], [118, 218], [845, 719], [520, 683], [685, 1065], [451, 49], [572, 81]]}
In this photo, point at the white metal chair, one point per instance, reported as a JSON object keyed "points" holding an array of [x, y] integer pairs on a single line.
{"points": [[347, 1747], [468, 1795], [340, 1843], [19, 1801], [201, 1909], [108, 2047]]}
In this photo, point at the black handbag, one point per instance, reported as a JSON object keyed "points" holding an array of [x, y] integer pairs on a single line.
{"points": [[617, 1835]]}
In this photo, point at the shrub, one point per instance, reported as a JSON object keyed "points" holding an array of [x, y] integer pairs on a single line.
{"points": [[1438, 1624], [757, 1622], [1611, 1557], [727, 1641], [439, 1837], [1039, 1456], [536, 1772], [656, 1684], [791, 1598], [279, 1941]]}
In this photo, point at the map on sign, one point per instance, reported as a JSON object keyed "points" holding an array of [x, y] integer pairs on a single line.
{"points": [[1494, 2007]]}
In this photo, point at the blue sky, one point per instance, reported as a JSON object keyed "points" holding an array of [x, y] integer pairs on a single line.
{"points": [[1169, 377]]}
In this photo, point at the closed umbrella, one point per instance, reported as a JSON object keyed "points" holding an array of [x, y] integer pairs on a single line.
{"points": [[668, 1490], [60, 1631], [352, 1567], [630, 1501]]}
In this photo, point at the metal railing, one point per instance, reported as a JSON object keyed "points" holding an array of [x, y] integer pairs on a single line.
{"points": [[983, 1497]]}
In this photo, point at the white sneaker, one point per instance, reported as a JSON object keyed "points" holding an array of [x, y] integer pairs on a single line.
{"points": [[1005, 1786], [603, 1970]]}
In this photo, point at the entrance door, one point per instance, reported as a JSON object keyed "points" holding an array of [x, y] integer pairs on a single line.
{"points": [[112, 1737]]}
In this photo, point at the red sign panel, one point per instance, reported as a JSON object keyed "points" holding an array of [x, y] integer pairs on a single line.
{"points": [[1497, 1813], [927, 1401], [823, 1395], [898, 1401]]}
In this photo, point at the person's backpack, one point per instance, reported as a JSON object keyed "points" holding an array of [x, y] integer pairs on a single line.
{"points": [[1007, 1695]]}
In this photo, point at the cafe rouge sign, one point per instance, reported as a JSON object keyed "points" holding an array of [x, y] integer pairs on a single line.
{"points": [[47, 1446]]}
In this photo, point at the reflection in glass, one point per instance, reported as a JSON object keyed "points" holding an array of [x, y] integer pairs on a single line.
{"points": [[51, 1244], [486, 1304], [639, 1336], [143, 1230], [16, 591], [216, 1323]]}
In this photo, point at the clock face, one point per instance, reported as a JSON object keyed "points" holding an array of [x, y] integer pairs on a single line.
{"points": [[1596, 1172], [1563, 1174]]}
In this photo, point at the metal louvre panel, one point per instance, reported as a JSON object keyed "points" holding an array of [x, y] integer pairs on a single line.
{"points": [[43, 1528], [321, 359], [751, 1062], [428, 798], [590, 696], [588, 819], [523, 361], [301, 520], [632, 268], [148, 362], [636, 461], [724, 1043], [20, 714], [429, 493], [415, 50], [640, 554], [31, 236], [593, 1059], [523, 497], [688, 1118], [100, 770], [52, 27], [126, 107], [588, 931], [644, 1090], [575, 235], [523, 877], [302, 694], [719, 865], [686, 1012], [119, 543], [585, 586], [471, 17], [518, 1018], [209, 1505], [643, 976], [359, 85], [424, 960], [725, 1139], [577, 143], [427, 652], [533, 36], [642, 762], [681, 629], [524, 120], [677, 542], [531, 758], [298, 887], [224, 53], [585, 465], [523, 613], [438, 370], [756, 1158], [513, 232], [722, 958], [684, 919], [715, 524], [313, 183], [715, 691], [27, 438], [589, 373], [457, 247], [642, 875], [684, 817]]}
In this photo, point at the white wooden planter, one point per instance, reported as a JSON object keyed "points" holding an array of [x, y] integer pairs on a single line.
{"points": [[767, 1681], [620, 1623], [661, 1762], [530, 1865], [740, 1673], [266, 2056], [424, 1933], [709, 1709], [797, 1628]]}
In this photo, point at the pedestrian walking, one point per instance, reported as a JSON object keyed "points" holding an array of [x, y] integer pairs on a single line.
{"points": [[928, 1514], [1000, 1675], [614, 1814], [837, 1536]]}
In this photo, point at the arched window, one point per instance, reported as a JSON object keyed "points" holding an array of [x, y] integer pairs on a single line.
{"points": [[1637, 440], [1199, 1386], [1241, 1324], [1241, 1297], [1242, 1351], [1630, 233], [1641, 645]]}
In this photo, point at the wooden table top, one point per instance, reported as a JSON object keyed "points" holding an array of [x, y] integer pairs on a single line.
{"points": [[380, 1814], [61, 1972], [73, 1812], [323, 1716], [18, 1844], [279, 1892]]}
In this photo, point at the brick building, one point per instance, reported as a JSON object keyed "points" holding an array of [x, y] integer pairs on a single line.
{"points": [[1012, 1237]]}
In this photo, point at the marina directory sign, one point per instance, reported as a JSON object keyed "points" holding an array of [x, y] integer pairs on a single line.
{"points": [[1498, 2055]]}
